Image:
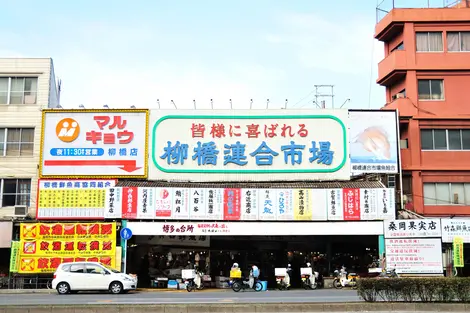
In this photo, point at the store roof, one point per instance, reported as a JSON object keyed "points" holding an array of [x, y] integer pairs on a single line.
{"points": [[254, 185]]}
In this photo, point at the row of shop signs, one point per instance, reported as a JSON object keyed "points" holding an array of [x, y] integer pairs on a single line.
{"points": [[84, 200], [217, 145]]}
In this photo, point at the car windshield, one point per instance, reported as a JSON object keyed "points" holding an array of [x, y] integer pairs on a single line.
{"points": [[111, 269]]}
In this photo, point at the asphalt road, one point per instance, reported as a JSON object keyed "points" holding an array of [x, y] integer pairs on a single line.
{"points": [[226, 296]]}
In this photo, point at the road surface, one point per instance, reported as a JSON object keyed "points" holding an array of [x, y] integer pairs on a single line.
{"points": [[226, 296]]}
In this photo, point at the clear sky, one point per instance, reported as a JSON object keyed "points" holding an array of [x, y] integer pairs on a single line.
{"points": [[124, 53]]}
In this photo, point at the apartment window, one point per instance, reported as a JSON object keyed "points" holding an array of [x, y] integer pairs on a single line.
{"points": [[15, 192], [18, 90], [430, 89], [429, 42], [16, 141], [445, 139], [446, 193], [458, 41], [400, 46]]}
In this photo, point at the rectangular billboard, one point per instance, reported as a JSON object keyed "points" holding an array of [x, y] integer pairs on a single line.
{"points": [[44, 246], [455, 228], [249, 145], [94, 143], [415, 228], [75, 199], [373, 142]]}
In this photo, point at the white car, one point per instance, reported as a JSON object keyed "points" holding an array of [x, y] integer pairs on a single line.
{"points": [[91, 276]]}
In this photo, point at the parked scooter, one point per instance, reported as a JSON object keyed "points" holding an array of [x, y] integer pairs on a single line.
{"points": [[308, 277], [345, 279], [283, 277], [237, 283], [193, 279], [388, 274]]}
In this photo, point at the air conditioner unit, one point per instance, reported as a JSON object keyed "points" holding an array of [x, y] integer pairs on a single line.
{"points": [[20, 211]]}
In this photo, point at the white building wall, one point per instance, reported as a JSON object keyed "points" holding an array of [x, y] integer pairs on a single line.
{"points": [[25, 116]]}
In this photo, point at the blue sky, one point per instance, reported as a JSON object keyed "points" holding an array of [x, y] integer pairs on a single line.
{"points": [[124, 53]]}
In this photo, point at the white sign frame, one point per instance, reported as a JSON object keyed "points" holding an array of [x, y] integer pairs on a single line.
{"points": [[455, 227], [413, 228]]}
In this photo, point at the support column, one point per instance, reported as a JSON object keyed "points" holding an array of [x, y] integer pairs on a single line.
{"points": [[381, 247]]}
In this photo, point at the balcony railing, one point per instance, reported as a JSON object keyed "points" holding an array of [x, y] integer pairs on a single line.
{"points": [[385, 6]]}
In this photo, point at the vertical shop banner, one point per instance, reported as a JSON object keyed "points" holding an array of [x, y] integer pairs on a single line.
{"points": [[368, 201], [319, 204], [414, 256], [197, 204], [250, 204], [351, 204], [302, 205], [14, 256], [458, 252], [215, 204], [146, 203], [285, 205], [129, 202], [113, 207], [335, 204], [232, 204], [163, 203], [267, 208], [72, 199], [386, 203], [181, 203]]}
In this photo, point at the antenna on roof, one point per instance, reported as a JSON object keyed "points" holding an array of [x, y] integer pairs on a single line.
{"points": [[174, 104], [81, 106], [251, 103], [212, 104], [230, 100], [158, 103], [267, 103], [194, 102], [133, 107], [106, 106], [285, 104]]}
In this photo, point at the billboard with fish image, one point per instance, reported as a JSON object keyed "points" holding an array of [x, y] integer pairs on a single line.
{"points": [[373, 142]]}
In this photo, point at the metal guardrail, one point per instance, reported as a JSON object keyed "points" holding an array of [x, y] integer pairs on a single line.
{"points": [[385, 6], [26, 282]]}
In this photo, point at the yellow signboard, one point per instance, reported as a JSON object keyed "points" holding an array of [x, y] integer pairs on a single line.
{"points": [[302, 205], [15, 252], [458, 252], [44, 246]]}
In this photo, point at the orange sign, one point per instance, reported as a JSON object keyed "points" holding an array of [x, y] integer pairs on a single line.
{"points": [[67, 129]]}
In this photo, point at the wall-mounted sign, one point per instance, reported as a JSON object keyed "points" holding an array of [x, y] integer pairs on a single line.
{"points": [[82, 199], [414, 256], [94, 143], [412, 228], [374, 144], [249, 145], [452, 228]]}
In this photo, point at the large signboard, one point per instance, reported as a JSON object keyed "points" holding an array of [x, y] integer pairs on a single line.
{"points": [[82, 199], [414, 256], [452, 228], [254, 228], [251, 145], [94, 143], [374, 142], [239, 204], [43, 247], [412, 228]]}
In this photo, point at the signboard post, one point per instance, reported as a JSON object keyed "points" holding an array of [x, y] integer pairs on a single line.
{"points": [[94, 143], [126, 234]]}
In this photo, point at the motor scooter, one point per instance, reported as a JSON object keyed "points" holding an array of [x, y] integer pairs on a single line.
{"points": [[345, 279], [283, 277], [308, 278], [193, 279]]}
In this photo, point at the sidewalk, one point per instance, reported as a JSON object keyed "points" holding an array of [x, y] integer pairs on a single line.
{"points": [[52, 291]]}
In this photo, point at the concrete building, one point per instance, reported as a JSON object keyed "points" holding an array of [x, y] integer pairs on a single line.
{"points": [[26, 87], [426, 73]]}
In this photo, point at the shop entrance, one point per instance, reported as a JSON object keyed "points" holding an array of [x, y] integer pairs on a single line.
{"points": [[154, 257]]}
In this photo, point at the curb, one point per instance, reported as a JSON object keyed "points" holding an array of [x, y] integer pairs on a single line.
{"points": [[258, 307], [147, 290]]}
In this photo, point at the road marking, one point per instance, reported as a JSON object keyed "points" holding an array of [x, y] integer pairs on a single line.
{"points": [[105, 301], [226, 300]]}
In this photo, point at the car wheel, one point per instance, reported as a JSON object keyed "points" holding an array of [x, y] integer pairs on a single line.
{"points": [[115, 287], [63, 288]]}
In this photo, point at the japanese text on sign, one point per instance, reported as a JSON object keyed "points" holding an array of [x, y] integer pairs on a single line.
{"points": [[412, 228]]}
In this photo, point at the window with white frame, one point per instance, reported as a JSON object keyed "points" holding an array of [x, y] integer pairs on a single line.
{"points": [[430, 89], [429, 42], [16, 141], [446, 193], [458, 41], [18, 90], [15, 192], [445, 139]]}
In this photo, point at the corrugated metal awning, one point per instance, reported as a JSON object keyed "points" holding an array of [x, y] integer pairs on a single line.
{"points": [[254, 185]]}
